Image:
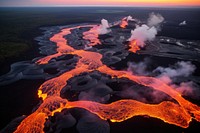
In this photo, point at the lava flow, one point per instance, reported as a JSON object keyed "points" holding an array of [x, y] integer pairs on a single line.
{"points": [[179, 114], [92, 35], [124, 109]]}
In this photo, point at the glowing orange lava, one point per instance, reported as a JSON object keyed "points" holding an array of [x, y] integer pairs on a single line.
{"points": [[179, 114], [133, 46], [124, 23], [92, 35], [124, 109]]}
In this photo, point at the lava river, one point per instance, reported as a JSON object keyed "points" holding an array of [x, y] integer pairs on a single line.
{"points": [[180, 113]]}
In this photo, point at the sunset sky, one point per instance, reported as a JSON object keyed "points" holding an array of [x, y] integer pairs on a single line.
{"points": [[100, 2]]}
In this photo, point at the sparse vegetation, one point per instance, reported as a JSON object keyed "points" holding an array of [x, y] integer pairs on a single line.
{"points": [[19, 26], [11, 49]]}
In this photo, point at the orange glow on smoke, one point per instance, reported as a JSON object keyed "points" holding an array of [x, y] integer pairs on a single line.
{"points": [[179, 114], [134, 47]]}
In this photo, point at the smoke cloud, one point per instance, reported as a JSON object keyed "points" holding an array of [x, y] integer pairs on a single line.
{"points": [[130, 18], [139, 68], [181, 69], [146, 32], [154, 19], [183, 23], [104, 27], [188, 89], [124, 22], [142, 34]]}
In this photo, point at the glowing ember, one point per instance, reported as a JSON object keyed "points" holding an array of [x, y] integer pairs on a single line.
{"points": [[179, 114], [133, 46], [124, 23]]}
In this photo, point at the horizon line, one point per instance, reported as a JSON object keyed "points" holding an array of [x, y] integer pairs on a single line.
{"points": [[165, 6]]}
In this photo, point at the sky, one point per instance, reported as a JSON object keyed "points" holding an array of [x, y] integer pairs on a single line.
{"points": [[100, 2]]}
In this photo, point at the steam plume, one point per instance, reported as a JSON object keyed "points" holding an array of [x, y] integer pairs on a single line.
{"points": [[181, 69], [146, 32], [130, 18], [188, 89], [183, 23], [169, 75], [104, 27], [154, 19], [124, 21], [142, 34], [139, 68]]}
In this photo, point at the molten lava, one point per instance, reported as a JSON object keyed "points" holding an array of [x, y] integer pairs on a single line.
{"points": [[179, 114], [124, 23], [92, 35], [133, 46], [124, 109]]}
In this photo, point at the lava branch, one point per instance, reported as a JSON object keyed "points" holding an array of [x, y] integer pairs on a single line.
{"points": [[157, 85], [124, 109], [53, 86], [62, 45], [34, 123]]}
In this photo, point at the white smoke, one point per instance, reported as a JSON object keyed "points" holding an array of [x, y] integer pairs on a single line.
{"points": [[184, 87], [183, 23], [169, 75], [181, 69], [139, 68], [146, 32], [130, 18], [142, 34], [154, 19], [188, 89], [104, 27], [104, 23]]}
